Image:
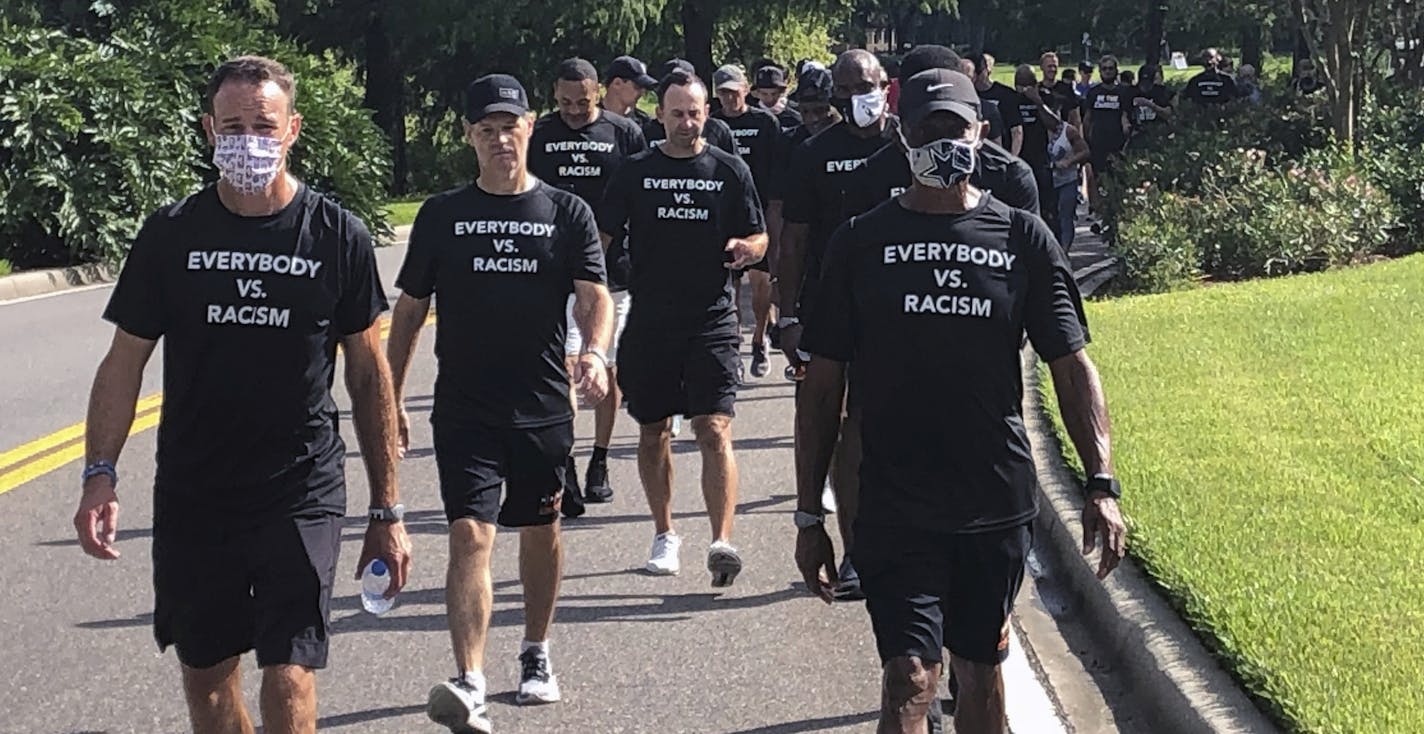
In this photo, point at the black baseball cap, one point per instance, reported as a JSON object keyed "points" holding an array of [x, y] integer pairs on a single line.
{"points": [[627, 67], [814, 86], [936, 90], [770, 77], [672, 65], [495, 93]]}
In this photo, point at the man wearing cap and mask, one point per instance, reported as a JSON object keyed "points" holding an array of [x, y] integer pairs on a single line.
{"points": [[823, 170], [769, 89], [887, 174], [928, 297], [757, 132], [576, 148], [251, 284], [624, 83], [714, 131], [504, 253]]}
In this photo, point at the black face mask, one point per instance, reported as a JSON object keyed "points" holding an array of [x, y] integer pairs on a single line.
{"points": [[843, 106]]}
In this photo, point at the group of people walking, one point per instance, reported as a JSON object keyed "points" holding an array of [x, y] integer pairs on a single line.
{"points": [[897, 260]]}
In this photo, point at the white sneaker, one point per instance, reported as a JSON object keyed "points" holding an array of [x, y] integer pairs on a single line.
{"points": [[537, 684], [676, 425], [662, 561], [459, 706], [828, 499], [724, 562]]}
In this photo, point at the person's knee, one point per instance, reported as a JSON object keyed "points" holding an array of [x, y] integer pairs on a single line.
{"points": [[470, 538], [714, 433], [910, 683], [289, 681], [535, 537], [210, 686], [653, 436]]}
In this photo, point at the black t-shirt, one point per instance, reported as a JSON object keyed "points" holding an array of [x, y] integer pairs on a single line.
{"points": [[678, 214], [1035, 134], [581, 162], [1158, 94], [781, 172], [930, 311], [1210, 87], [887, 174], [819, 174], [1061, 97], [715, 132], [502, 269], [1107, 104], [757, 134], [250, 310], [789, 117], [993, 117], [636, 116], [1008, 100]]}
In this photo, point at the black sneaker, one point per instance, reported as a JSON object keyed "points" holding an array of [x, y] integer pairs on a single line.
{"points": [[773, 335], [760, 366], [573, 496], [596, 489]]}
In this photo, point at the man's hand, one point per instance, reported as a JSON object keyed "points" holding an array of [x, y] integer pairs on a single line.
{"points": [[1032, 94], [402, 429], [817, 561], [1102, 519], [1141, 102], [97, 520], [388, 542], [591, 378], [791, 343], [744, 254]]}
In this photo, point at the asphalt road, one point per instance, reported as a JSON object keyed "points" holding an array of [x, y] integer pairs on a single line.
{"points": [[634, 653]]}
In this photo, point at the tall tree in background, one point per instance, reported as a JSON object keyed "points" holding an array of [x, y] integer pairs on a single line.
{"points": [[1335, 32]]}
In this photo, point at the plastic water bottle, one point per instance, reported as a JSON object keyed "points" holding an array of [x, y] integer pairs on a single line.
{"points": [[374, 582]]}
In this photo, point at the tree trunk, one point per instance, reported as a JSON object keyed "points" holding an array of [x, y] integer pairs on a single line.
{"points": [[1333, 30], [698, 18], [1152, 43], [1252, 51], [385, 97]]}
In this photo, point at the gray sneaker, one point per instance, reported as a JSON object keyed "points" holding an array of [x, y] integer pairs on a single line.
{"points": [[460, 707]]}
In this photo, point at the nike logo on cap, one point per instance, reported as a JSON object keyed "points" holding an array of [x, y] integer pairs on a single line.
{"points": [[937, 87]]}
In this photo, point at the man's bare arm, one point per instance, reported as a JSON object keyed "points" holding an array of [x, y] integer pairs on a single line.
{"points": [[407, 319], [114, 396], [593, 312], [774, 224], [1016, 138], [819, 402], [373, 408], [792, 264], [1085, 410]]}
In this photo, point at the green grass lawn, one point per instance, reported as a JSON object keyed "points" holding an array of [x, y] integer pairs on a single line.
{"points": [[1270, 439], [403, 212]]}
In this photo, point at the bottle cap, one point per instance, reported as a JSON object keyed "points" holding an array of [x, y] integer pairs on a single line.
{"points": [[378, 567]]}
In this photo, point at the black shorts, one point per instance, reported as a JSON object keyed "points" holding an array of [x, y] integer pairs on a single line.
{"points": [[926, 591], [221, 591], [663, 375], [475, 461], [1104, 160]]}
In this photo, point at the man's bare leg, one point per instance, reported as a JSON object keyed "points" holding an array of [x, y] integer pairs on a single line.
{"points": [[761, 304], [288, 700], [979, 707], [215, 699], [606, 414], [719, 472], [907, 690], [655, 471], [541, 567], [469, 591]]}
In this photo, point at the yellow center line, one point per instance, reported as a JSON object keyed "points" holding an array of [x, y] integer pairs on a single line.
{"points": [[34, 459]]}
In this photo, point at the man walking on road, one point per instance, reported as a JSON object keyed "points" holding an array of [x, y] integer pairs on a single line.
{"points": [[929, 296], [691, 214], [250, 484], [757, 132], [625, 82], [822, 172], [577, 148], [504, 253], [714, 131]]}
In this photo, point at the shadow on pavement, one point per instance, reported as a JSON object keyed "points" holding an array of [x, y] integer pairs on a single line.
{"points": [[796, 727], [361, 717], [639, 608], [138, 620], [130, 534]]}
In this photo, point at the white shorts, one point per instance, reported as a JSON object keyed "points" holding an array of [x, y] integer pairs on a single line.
{"points": [[573, 343]]}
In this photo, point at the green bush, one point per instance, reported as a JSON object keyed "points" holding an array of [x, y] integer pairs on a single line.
{"points": [[5, 268], [96, 132], [1161, 252], [1394, 138]]}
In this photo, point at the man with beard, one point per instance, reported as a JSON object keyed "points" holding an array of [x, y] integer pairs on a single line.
{"points": [[1107, 123]]}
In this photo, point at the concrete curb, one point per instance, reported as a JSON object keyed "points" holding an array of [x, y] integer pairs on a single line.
{"points": [[40, 282], [1175, 681]]}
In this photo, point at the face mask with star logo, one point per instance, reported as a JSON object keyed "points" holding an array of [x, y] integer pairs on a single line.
{"points": [[942, 164]]}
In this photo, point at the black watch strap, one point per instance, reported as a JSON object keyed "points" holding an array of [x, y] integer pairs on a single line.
{"points": [[1105, 484]]}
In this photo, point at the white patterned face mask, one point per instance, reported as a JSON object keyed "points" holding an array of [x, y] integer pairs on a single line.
{"points": [[248, 163]]}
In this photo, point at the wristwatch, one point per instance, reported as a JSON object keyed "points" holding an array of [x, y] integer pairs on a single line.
{"points": [[808, 519], [597, 353], [1104, 483], [103, 467], [386, 514]]}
